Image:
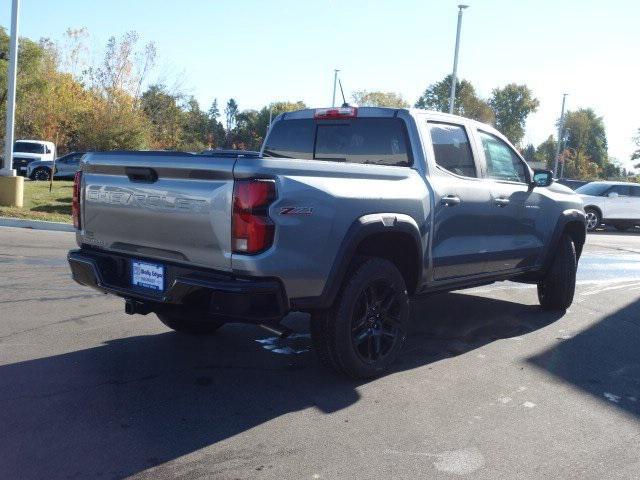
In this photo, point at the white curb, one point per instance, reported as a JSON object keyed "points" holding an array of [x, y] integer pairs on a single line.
{"points": [[36, 224]]}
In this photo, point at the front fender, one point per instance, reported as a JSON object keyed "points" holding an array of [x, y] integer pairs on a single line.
{"points": [[571, 217]]}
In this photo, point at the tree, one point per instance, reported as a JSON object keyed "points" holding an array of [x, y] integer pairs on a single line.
{"points": [[214, 111], [53, 110], [195, 126], [116, 125], [230, 112], [529, 153], [585, 132], [116, 120], [578, 164], [636, 155], [613, 170], [31, 80], [363, 98], [252, 125], [467, 103], [546, 152], [511, 106], [216, 135], [246, 134], [123, 68], [162, 109]]}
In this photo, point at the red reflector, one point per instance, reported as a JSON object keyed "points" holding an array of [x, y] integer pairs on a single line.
{"points": [[342, 112], [75, 200], [252, 230]]}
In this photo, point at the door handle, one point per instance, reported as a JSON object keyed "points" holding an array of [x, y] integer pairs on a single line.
{"points": [[450, 200], [501, 202]]}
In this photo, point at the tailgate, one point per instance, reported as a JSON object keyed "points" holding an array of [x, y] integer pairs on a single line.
{"points": [[160, 205]]}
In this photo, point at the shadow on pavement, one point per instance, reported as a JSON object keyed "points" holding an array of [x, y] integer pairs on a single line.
{"points": [[603, 360], [137, 402]]}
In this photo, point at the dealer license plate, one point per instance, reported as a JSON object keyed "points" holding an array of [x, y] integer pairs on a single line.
{"points": [[147, 275]]}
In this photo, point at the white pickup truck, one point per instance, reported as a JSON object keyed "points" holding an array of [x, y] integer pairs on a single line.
{"points": [[27, 151]]}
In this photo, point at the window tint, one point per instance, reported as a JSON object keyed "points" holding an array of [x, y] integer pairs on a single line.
{"points": [[380, 141], [622, 190], [635, 191], [593, 189], [451, 149], [502, 161], [28, 147], [291, 139]]}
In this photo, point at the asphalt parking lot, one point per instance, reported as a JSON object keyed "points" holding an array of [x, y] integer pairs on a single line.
{"points": [[489, 385]]}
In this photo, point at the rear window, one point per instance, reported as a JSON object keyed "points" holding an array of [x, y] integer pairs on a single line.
{"points": [[379, 141], [28, 147]]}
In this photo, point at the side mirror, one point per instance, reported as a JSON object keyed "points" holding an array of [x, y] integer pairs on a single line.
{"points": [[542, 178], [613, 195]]}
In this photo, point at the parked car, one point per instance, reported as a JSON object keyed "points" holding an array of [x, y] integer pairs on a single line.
{"points": [[65, 167], [27, 151], [572, 184], [346, 215], [611, 203]]}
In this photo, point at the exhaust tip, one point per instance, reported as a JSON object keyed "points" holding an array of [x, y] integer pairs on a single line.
{"points": [[279, 330]]}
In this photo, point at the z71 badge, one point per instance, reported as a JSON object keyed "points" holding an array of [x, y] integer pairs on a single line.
{"points": [[296, 210]]}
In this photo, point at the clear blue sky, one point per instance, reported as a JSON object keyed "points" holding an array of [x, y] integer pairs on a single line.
{"points": [[262, 51]]}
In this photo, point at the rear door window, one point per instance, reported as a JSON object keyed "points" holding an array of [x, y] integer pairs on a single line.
{"points": [[621, 190], [378, 141], [451, 149]]}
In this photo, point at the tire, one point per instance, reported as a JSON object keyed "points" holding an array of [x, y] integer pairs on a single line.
{"points": [[41, 174], [192, 325], [594, 219], [364, 331], [556, 290], [319, 326]]}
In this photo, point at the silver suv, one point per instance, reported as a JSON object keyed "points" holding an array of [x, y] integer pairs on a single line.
{"points": [[346, 214]]}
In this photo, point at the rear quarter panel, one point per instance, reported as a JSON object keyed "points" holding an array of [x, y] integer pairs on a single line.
{"points": [[327, 198]]}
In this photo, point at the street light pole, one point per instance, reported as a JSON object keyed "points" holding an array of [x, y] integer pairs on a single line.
{"points": [[452, 99], [7, 167], [11, 186], [560, 129], [335, 80]]}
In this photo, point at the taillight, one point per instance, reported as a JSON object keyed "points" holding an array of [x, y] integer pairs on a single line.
{"points": [[252, 229], [329, 113], [75, 200]]}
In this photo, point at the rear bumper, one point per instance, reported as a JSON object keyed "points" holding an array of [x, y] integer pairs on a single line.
{"points": [[248, 300]]}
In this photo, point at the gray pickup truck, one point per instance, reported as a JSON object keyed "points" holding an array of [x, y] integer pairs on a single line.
{"points": [[346, 214]]}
